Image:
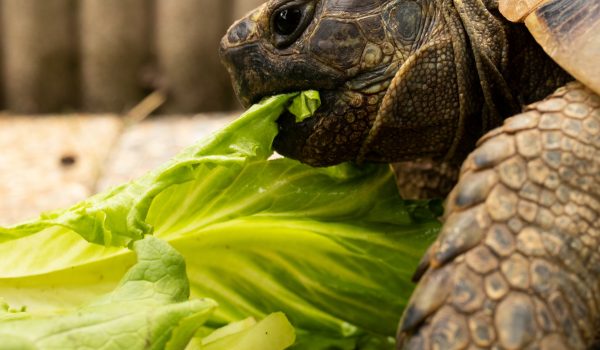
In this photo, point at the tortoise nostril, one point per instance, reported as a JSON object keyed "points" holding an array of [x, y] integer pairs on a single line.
{"points": [[241, 32]]}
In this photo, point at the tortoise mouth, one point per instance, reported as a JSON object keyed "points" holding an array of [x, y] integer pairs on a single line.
{"points": [[249, 99], [333, 135], [256, 73], [291, 137], [337, 131]]}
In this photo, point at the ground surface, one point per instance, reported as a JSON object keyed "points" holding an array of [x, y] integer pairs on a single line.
{"points": [[52, 162]]}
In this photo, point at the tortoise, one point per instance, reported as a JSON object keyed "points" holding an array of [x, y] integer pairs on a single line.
{"points": [[491, 102]]}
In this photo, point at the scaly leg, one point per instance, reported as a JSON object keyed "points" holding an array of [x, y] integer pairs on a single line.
{"points": [[425, 178], [517, 264]]}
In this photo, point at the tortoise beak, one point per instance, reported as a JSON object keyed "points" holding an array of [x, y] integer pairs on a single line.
{"points": [[240, 53], [245, 75], [258, 69]]}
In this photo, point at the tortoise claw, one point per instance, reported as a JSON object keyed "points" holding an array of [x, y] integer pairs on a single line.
{"points": [[462, 231], [428, 297], [424, 265]]}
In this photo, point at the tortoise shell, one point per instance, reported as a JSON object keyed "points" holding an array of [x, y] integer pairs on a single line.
{"points": [[568, 30]]}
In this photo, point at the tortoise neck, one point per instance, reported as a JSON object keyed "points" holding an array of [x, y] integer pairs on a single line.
{"points": [[487, 32], [513, 69], [532, 75], [481, 34]]}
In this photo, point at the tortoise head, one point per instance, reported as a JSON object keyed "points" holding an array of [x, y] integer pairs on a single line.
{"points": [[385, 69]]}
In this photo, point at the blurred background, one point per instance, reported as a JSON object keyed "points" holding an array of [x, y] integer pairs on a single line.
{"points": [[106, 55], [78, 80]]}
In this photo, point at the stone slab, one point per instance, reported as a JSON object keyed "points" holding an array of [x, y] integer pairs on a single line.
{"points": [[147, 145], [51, 162]]}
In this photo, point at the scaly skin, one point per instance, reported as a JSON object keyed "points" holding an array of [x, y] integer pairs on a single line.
{"points": [[517, 264], [417, 82], [425, 178]]}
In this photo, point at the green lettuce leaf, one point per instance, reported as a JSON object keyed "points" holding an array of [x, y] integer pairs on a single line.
{"points": [[332, 248], [149, 309], [305, 105], [119, 216], [273, 333]]}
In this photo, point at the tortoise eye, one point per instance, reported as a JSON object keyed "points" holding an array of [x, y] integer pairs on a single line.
{"points": [[289, 21]]}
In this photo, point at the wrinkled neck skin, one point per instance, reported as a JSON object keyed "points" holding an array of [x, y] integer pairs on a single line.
{"points": [[508, 67], [499, 68]]}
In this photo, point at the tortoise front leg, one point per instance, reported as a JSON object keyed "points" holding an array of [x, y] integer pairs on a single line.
{"points": [[517, 264]]}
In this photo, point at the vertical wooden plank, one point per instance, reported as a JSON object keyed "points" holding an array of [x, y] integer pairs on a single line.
{"points": [[242, 7], [114, 50], [188, 35], [39, 71]]}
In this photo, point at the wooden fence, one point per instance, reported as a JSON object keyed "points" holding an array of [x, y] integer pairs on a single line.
{"points": [[106, 55]]}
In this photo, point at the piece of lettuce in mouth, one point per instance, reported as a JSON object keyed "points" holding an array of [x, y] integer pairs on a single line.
{"points": [[332, 248], [305, 105]]}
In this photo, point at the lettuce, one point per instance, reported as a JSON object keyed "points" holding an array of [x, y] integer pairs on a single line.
{"points": [[272, 333], [332, 248], [149, 309]]}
